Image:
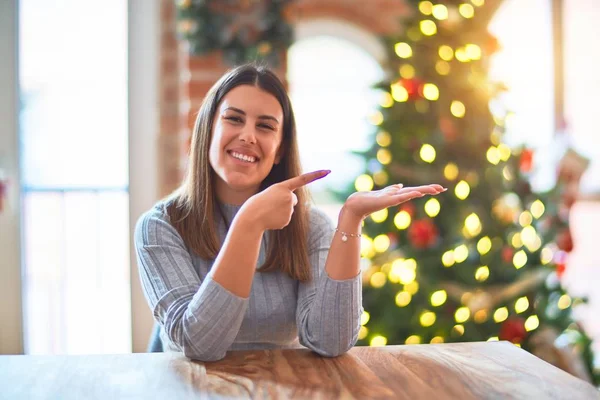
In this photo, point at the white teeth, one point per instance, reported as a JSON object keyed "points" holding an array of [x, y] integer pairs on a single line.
{"points": [[243, 157]]}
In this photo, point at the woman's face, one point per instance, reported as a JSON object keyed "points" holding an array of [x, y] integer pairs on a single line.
{"points": [[245, 142]]}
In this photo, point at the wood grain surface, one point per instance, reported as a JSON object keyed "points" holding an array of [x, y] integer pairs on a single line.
{"points": [[491, 370]]}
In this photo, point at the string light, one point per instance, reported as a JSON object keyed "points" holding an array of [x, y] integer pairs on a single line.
{"points": [[506, 172], [480, 316], [403, 50], [458, 329], [364, 318], [462, 190], [402, 220], [478, 3], [505, 152], [431, 92], [438, 298], [363, 332], [366, 247], [462, 314], [384, 156], [399, 93], [521, 305], [473, 51], [446, 53], [427, 319], [412, 287], [426, 7], [383, 139], [482, 273], [432, 207], [378, 340], [442, 67], [493, 339], [448, 258], [461, 55], [440, 12], [376, 118], [466, 10], [381, 243], [363, 183], [547, 255], [380, 216], [451, 171], [520, 259], [378, 280], [564, 302], [407, 71], [484, 245], [428, 27], [515, 240], [457, 109], [537, 209], [380, 177], [473, 224], [501, 314], [386, 100], [525, 219], [427, 153], [461, 253], [493, 155], [437, 339], [403, 299], [413, 339], [532, 323]]}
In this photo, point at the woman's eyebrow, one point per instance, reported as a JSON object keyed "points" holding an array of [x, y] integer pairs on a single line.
{"points": [[270, 117]]}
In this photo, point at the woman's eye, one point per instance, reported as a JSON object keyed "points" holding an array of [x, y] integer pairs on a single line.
{"points": [[234, 119], [265, 126]]}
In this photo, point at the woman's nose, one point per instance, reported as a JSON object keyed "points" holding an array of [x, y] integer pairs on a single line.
{"points": [[248, 135]]}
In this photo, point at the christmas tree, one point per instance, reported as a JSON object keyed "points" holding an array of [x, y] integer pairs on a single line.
{"points": [[483, 261]]}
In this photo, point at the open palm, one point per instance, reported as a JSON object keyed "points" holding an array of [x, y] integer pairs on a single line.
{"points": [[362, 204]]}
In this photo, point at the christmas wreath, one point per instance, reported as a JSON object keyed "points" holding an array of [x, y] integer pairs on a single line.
{"points": [[244, 30]]}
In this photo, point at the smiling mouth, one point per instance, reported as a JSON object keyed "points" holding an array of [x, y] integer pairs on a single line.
{"points": [[242, 157]]}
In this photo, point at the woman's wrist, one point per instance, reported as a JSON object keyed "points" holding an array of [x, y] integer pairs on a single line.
{"points": [[248, 221], [349, 222]]}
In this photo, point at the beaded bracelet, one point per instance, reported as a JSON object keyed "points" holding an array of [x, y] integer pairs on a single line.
{"points": [[345, 235]]}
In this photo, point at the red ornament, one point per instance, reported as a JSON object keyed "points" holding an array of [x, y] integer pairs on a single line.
{"points": [[513, 329], [448, 129], [423, 233], [413, 86], [526, 161], [560, 259], [507, 254], [564, 240], [560, 270]]}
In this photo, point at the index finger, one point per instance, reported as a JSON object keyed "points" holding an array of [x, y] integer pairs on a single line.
{"points": [[304, 179]]}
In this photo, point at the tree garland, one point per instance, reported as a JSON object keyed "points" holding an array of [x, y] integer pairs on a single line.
{"points": [[244, 30]]}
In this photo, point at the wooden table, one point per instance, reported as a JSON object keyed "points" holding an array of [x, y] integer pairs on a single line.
{"points": [[457, 371]]}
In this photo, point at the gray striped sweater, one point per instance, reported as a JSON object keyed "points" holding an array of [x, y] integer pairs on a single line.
{"points": [[203, 320]]}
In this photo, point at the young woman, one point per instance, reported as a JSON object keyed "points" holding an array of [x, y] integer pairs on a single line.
{"points": [[236, 258]]}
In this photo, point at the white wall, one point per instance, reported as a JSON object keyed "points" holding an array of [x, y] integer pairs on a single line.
{"points": [[143, 57], [11, 341]]}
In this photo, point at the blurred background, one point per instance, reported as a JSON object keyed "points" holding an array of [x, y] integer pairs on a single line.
{"points": [[97, 101]]}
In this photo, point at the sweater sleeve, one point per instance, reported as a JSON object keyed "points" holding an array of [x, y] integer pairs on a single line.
{"points": [[328, 311], [199, 316]]}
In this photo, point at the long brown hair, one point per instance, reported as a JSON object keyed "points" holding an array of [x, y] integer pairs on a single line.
{"points": [[194, 203]]}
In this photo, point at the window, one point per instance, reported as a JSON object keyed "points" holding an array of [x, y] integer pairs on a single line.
{"points": [[331, 81], [74, 169]]}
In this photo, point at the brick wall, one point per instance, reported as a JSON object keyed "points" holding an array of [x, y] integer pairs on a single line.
{"points": [[186, 79]]}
